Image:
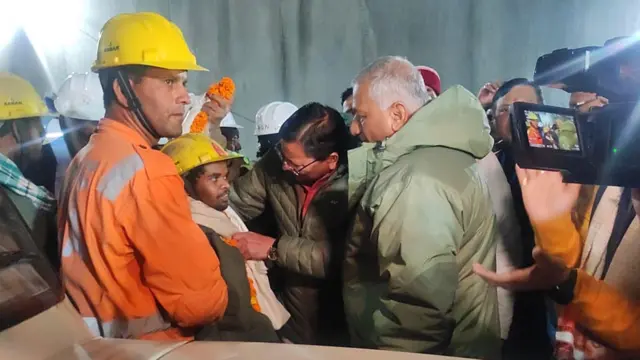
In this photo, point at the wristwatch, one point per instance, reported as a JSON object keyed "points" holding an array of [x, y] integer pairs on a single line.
{"points": [[272, 254], [563, 293]]}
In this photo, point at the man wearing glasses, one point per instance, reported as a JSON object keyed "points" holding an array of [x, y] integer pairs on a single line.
{"points": [[302, 184]]}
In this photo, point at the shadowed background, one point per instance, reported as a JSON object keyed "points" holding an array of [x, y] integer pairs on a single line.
{"points": [[304, 50]]}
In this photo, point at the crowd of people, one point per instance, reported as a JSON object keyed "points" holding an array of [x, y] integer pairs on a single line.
{"points": [[401, 223]]}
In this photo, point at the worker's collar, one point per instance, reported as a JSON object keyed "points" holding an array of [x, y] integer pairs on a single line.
{"points": [[318, 183], [110, 126]]}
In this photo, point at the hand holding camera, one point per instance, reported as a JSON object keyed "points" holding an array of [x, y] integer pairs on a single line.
{"points": [[592, 141]]}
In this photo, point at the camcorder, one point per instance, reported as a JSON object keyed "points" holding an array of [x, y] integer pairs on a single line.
{"points": [[601, 146]]}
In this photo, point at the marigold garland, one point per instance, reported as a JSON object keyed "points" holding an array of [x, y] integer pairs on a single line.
{"points": [[224, 88], [252, 289]]}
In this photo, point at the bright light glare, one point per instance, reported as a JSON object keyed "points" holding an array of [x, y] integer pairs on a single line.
{"points": [[51, 24], [9, 22], [53, 129], [48, 34], [54, 135]]}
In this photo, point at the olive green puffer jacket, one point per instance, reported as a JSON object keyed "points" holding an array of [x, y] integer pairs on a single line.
{"points": [[423, 218]]}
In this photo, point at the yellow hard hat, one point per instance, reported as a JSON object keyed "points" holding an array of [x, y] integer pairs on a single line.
{"points": [[19, 99], [194, 149], [143, 39]]}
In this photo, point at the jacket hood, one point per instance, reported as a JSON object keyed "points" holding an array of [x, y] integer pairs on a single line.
{"points": [[455, 120]]}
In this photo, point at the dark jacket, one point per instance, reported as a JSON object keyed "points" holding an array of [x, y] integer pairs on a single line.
{"points": [[18, 246], [43, 172], [240, 321], [309, 248]]}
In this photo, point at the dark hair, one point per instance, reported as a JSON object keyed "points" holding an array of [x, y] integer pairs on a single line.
{"points": [[229, 132], [346, 94], [320, 129], [507, 86], [191, 176], [266, 143], [108, 76]]}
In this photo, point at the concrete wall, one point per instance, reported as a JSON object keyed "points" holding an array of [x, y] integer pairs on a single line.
{"points": [[308, 50]]}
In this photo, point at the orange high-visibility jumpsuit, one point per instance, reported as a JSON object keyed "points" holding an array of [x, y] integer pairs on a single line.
{"points": [[133, 261]]}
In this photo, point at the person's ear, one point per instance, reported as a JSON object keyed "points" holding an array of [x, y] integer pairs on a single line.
{"points": [[190, 189], [399, 116], [332, 160], [15, 131], [120, 98], [117, 90]]}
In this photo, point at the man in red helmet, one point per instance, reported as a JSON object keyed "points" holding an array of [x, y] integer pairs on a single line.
{"points": [[431, 80]]}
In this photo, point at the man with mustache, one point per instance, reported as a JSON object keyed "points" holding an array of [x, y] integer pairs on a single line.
{"points": [[133, 261], [206, 170]]}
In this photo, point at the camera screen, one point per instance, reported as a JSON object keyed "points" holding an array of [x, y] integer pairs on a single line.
{"points": [[551, 131]]}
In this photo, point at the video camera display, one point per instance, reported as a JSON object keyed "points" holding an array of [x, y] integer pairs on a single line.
{"points": [[598, 147], [601, 146], [548, 130]]}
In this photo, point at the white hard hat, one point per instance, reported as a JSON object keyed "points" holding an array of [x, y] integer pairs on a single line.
{"points": [[80, 97], [270, 117], [230, 122]]}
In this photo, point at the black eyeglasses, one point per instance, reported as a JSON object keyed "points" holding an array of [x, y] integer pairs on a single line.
{"points": [[295, 169]]}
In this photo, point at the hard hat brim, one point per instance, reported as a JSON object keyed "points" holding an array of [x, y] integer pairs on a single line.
{"points": [[27, 116], [169, 65], [231, 157]]}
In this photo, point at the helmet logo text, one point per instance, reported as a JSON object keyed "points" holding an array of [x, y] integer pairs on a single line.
{"points": [[111, 48]]}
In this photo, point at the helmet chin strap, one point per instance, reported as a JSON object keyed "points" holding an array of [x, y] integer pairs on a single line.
{"points": [[133, 103]]}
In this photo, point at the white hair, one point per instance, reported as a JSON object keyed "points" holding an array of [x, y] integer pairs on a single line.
{"points": [[392, 79]]}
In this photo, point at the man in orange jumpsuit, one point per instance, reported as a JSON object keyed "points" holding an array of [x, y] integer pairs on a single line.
{"points": [[133, 261], [533, 132]]}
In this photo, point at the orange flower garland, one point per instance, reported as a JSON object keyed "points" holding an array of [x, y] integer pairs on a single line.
{"points": [[224, 88], [252, 289]]}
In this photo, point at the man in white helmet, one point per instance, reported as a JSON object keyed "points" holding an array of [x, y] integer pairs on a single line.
{"points": [[269, 119], [80, 106], [230, 130]]}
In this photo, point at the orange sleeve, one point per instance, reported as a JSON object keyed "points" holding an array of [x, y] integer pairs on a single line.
{"points": [[607, 314], [178, 263], [560, 238]]}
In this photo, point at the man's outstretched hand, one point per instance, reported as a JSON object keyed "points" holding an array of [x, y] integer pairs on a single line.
{"points": [[253, 246], [546, 273]]}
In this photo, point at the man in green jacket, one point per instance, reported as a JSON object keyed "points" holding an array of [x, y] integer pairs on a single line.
{"points": [[423, 217]]}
